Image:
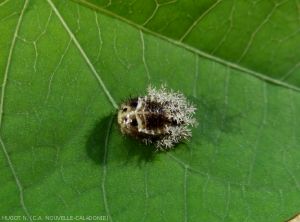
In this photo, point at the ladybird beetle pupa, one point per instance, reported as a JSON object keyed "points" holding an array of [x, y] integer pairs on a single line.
{"points": [[162, 118], [294, 219]]}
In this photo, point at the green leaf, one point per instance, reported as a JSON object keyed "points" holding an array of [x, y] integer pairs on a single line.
{"points": [[65, 67], [251, 36]]}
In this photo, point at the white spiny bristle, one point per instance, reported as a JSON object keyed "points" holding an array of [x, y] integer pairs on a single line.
{"points": [[179, 109], [162, 117]]}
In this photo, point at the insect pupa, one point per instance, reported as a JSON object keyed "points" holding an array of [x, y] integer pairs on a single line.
{"points": [[162, 117]]}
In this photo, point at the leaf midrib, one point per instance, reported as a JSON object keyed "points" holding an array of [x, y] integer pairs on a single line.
{"points": [[201, 53], [4, 84]]}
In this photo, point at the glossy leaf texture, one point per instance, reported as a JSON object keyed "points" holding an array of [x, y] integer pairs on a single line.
{"points": [[64, 68], [252, 36]]}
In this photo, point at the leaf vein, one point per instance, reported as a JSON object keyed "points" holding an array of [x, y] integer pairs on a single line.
{"points": [[259, 133], [185, 194], [84, 55], [229, 29], [143, 57], [4, 84], [253, 35], [4, 2], [196, 22], [99, 37], [55, 70], [203, 54], [105, 168], [196, 76], [157, 6]]}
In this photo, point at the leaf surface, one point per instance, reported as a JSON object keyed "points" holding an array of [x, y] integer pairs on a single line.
{"points": [[252, 36], [64, 69]]}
